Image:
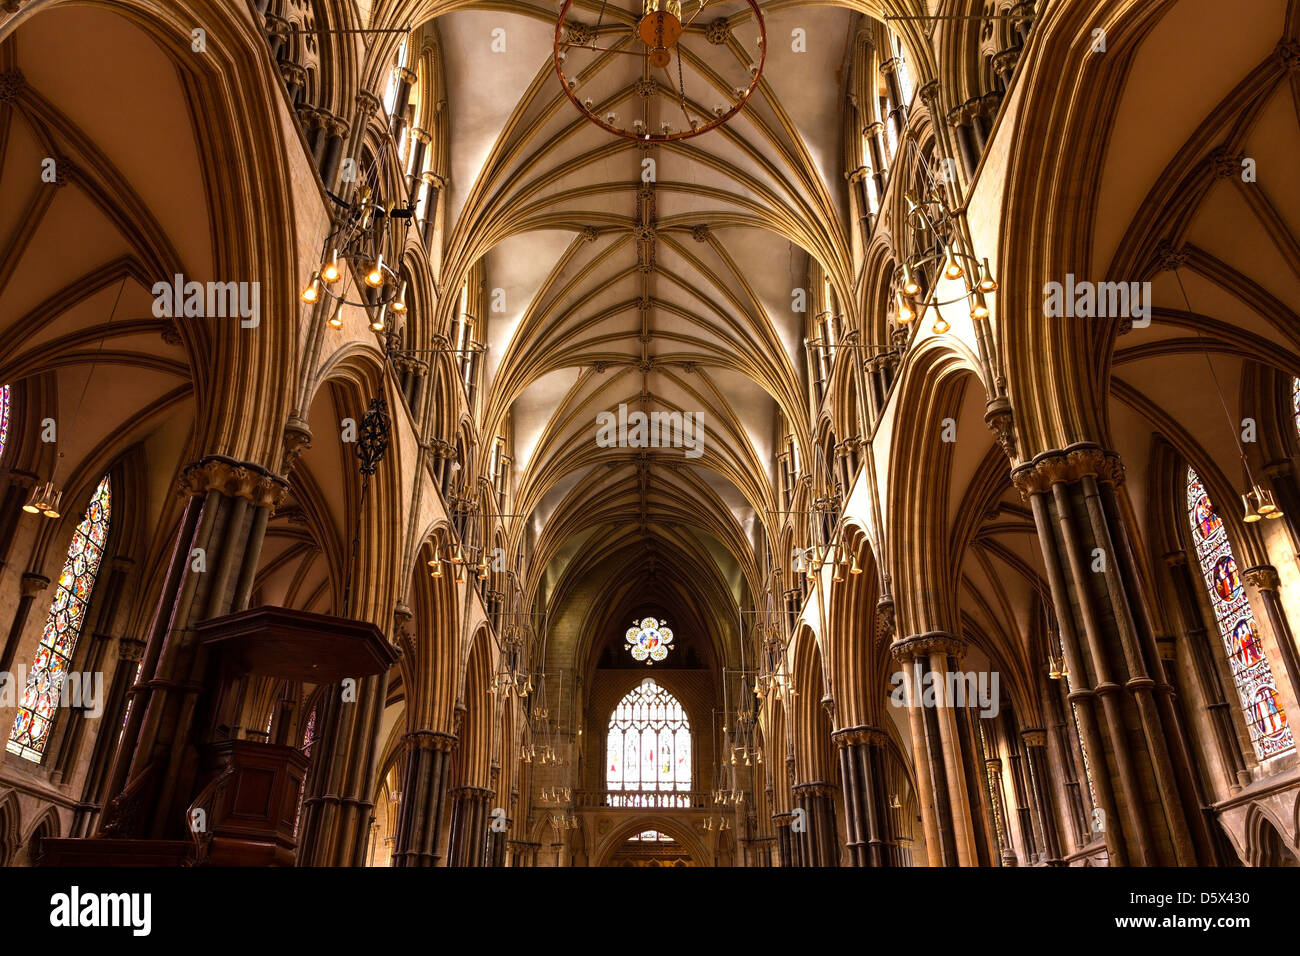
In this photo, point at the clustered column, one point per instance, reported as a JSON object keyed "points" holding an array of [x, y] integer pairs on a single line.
{"points": [[818, 844], [1129, 732], [946, 803], [424, 792], [210, 574], [870, 838], [469, 819]]}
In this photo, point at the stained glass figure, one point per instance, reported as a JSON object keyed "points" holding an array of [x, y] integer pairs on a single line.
{"points": [[31, 729], [648, 749], [1256, 688], [1295, 401], [649, 639], [4, 418]]}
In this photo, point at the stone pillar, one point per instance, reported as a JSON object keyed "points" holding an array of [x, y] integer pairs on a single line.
{"points": [[870, 839], [424, 793], [338, 806], [66, 756], [469, 817], [1198, 644], [1039, 783], [419, 146], [32, 585], [121, 690], [784, 839], [209, 574], [397, 119], [1140, 771], [1265, 580], [818, 844], [950, 834]]}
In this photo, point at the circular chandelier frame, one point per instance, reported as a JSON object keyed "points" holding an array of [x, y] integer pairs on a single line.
{"points": [[650, 56]]}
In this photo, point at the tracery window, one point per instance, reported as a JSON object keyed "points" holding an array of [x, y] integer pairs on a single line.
{"points": [[648, 751], [1295, 401], [1256, 687], [4, 417], [49, 670]]}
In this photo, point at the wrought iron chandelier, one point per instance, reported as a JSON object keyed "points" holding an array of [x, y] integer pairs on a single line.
{"points": [[650, 101], [937, 252], [355, 247]]}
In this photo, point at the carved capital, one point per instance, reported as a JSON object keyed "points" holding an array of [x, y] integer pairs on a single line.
{"points": [[297, 439], [923, 645], [232, 478], [1034, 737], [886, 621], [33, 584], [1001, 421], [1264, 577], [1067, 465], [129, 649]]}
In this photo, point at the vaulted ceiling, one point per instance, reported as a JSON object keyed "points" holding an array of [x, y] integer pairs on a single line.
{"points": [[665, 290]]}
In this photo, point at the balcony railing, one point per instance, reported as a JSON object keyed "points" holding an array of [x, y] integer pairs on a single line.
{"points": [[640, 800]]}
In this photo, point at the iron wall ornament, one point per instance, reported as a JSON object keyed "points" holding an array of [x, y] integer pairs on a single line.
{"points": [[652, 95], [372, 441]]}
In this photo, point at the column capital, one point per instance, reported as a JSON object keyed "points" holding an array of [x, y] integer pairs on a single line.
{"points": [[1067, 465], [1034, 737], [815, 788], [33, 584], [923, 645], [129, 649], [851, 736], [1263, 577], [235, 479], [430, 740]]}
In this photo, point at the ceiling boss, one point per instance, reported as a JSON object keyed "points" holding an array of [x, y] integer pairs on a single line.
{"points": [[672, 75]]}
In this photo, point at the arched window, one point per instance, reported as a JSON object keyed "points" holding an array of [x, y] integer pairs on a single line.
{"points": [[1265, 718], [1295, 401], [31, 730], [648, 750], [4, 418]]}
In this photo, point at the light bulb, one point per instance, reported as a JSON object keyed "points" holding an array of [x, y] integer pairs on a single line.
{"points": [[335, 321], [375, 277], [951, 267], [377, 324], [940, 325], [987, 282], [399, 304], [905, 313], [910, 286], [1251, 515], [330, 273], [312, 292], [980, 310]]}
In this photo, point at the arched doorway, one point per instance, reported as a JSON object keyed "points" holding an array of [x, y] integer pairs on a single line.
{"points": [[656, 840], [650, 848]]}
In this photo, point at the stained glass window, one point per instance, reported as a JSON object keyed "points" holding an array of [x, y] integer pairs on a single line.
{"points": [[1295, 401], [1265, 718], [309, 734], [31, 730], [4, 417], [649, 640], [648, 750]]}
